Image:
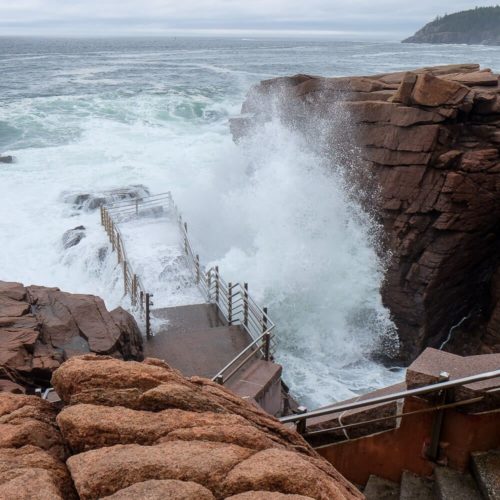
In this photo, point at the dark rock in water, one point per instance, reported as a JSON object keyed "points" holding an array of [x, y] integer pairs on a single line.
{"points": [[41, 327], [73, 236], [102, 253], [92, 201], [6, 159]]}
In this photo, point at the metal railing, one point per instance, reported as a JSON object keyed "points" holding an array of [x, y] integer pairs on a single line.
{"points": [[232, 300], [132, 283], [236, 306], [442, 387]]}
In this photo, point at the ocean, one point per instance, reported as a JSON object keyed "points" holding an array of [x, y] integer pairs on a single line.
{"points": [[87, 115]]}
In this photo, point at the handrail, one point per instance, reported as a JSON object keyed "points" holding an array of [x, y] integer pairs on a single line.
{"points": [[240, 355], [301, 418], [235, 305], [132, 283], [232, 300]]}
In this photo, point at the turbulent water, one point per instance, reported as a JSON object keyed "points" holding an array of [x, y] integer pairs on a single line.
{"points": [[89, 115]]}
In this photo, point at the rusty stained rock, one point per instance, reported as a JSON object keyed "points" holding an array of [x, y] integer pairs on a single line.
{"points": [[86, 427], [29, 420], [102, 380], [170, 489], [197, 433], [19, 464]]}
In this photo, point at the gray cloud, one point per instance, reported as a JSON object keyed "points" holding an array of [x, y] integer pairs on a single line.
{"points": [[391, 18]]}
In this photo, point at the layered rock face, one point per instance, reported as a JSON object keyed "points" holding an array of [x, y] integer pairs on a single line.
{"points": [[425, 145], [42, 327], [141, 430]]}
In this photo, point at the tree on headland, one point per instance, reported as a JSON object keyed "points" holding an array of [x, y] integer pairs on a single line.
{"points": [[478, 25]]}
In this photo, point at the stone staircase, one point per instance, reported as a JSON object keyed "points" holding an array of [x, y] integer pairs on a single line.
{"points": [[197, 341], [483, 483]]}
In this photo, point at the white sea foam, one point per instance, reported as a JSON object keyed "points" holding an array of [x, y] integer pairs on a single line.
{"points": [[269, 211]]}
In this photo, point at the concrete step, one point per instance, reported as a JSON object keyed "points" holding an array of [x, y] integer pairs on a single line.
{"points": [[452, 485], [201, 352], [259, 381], [191, 317], [486, 470], [414, 487], [381, 489]]}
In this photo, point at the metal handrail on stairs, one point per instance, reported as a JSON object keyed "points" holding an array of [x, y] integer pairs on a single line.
{"points": [[300, 419], [132, 284], [236, 306], [232, 300]]}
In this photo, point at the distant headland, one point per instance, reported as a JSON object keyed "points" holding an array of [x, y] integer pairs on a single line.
{"points": [[476, 26]]}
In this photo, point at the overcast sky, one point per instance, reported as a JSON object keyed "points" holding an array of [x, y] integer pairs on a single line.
{"points": [[391, 19]]}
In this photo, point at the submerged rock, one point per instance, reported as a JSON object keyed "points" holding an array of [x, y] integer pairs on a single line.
{"points": [[73, 236], [6, 159]]}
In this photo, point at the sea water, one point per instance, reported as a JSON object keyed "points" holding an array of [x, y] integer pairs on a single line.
{"points": [[89, 115]]}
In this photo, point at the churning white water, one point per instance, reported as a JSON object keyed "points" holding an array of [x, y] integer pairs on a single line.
{"points": [[95, 115]]}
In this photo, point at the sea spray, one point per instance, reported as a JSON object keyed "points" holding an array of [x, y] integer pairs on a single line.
{"points": [[276, 211], [308, 251]]}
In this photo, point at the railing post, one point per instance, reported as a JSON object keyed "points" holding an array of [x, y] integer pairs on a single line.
{"points": [[230, 303], [119, 249], [148, 320], [267, 345], [209, 284], [245, 304], [219, 379], [264, 319], [134, 290], [301, 424], [125, 276], [141, 298], [102, 215], [217, 285], [197, 263], [433, 451]]}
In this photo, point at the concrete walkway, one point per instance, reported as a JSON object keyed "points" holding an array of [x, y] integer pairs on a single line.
{"points": [[197, 341]]}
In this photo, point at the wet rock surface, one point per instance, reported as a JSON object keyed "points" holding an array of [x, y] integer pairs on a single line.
{"points": [[41, 327], [73, 236], [6, 159], [424, 148], [92, 201], [142, 430]]}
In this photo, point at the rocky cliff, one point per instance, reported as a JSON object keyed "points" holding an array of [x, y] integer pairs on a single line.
{"points": [[477, 26], [422, 148], [140, 430], [42, 327]]}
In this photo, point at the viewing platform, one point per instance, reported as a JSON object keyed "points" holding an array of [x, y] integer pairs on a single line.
{"points": [[228, 338]]}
